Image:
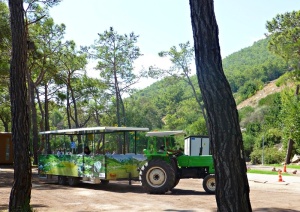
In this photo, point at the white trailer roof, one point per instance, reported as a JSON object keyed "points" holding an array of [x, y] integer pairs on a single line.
{"points": [[90, 130], [165, 133]]}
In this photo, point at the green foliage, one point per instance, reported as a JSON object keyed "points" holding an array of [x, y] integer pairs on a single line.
{"points": [[269, 100], [271, 155], [115, 54], [290, 115], [253, 128], [255, 117], [283, 79], [290, 166], [245, 112], [5, 42], [272, 136], [284, 32], [248, 141], [197, 127], [181, 59], [249, 89], [173, 103], [167, 104], [273, 104], [252, 64], [255, 171]]}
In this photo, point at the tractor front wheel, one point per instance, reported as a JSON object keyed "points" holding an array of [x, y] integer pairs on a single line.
{"points": [[157, 176], [209, 184]]}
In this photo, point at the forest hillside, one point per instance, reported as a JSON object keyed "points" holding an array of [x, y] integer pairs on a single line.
{"points": [[259, 81], [268, 89]]}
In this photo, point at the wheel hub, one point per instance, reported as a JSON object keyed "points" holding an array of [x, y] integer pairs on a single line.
{"points": [[156, 177], [211, 184]]}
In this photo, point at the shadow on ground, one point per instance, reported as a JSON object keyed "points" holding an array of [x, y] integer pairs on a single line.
{"points": [[274, 210]]}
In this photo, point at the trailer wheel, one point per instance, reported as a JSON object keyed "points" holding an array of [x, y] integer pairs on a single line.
{"points": [[157, 176], [209, 184], [62, 180], [104, 182], [73, 181]]}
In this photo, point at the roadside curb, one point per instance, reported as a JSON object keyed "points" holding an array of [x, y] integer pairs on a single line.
{"points": [[268, 182], [272, 179]]}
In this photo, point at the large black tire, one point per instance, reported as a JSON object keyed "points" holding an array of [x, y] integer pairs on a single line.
{"points": [[175, 168], [62, 180], [176, 182], [209, 184], [157, 176], [104, 182], [73, 181]]}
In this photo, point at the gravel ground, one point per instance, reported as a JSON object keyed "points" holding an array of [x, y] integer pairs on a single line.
{"points": [[266, 195]]}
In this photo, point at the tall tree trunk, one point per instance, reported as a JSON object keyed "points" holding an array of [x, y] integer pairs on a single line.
{"points": [[232, 189], [21, 190], [34, 124], [189, 81], [47, 126], [68, 108], [117, 102], [41, 124], [289, 151], [116, 86], [75, 119]]}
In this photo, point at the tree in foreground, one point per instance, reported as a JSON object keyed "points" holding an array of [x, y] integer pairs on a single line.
{"points": [[21, 190], [232, 188]]}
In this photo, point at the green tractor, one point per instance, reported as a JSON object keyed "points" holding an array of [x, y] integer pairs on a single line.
{"points": [[165, 167]]}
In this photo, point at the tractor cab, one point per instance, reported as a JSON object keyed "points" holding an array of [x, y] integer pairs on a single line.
{"points": [[162, 143]]}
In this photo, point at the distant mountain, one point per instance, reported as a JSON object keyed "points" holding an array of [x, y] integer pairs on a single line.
{"points": [[253, 65], [170, 102], [268, 89]]}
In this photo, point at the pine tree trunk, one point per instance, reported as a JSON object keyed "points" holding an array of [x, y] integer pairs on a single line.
{"points": [[35, 137], [289, 151], [232, 189], [21, 190]]}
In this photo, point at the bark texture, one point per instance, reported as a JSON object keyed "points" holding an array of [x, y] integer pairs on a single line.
{"points": [[232, 189], [289, 151], [21, 190]]}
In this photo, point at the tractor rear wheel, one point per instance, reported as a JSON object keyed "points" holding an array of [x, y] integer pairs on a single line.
{"points": [[157, 176], [104, 182], [209, 184], [175, 168]]}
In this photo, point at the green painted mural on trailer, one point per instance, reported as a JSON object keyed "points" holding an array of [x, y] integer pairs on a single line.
{"points": [[110, 167]]}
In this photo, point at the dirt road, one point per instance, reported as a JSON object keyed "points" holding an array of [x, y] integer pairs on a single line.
{"points": [[266, 195]]}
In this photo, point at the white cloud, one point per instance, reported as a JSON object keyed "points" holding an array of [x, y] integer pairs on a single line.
{"points": [[90, 71], [144, 62]]}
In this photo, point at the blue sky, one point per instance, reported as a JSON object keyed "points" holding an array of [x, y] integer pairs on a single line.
{"points": [[165, 23]]}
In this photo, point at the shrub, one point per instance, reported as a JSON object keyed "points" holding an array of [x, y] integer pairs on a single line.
{"points": [[245, 112], [248, 141], [271, 155]]}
